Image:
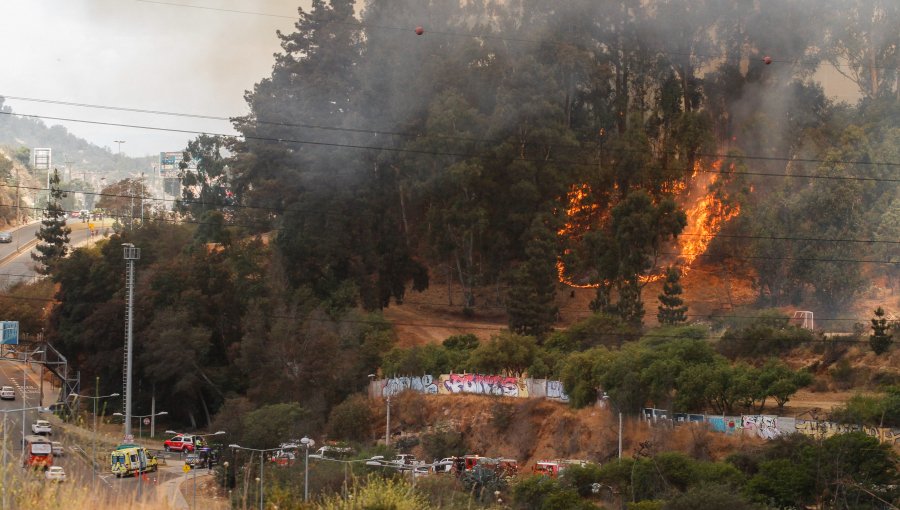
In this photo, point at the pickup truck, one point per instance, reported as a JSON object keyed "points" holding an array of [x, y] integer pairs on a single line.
{"points": [[41, 427]]}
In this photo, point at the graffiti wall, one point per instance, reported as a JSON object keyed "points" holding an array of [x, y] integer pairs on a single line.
{"points": [[770, 427], [763, 426], [826, 429], [476, 384]]}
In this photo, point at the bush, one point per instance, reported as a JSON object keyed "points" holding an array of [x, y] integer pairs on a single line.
{"points": [[762, 341], [542, 493], [843, 374], [440, 445], [502, 415], [710, 496], [377, 493], [351, 420]]}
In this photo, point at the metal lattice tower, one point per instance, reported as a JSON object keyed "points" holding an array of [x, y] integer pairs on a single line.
{"points": [[131, 254]]}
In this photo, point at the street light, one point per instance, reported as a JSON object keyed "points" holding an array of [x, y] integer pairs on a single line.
{"points": [[140, 422], [94, 439], [607, 398], [24, 384], [262, 462], [387, 425], [306, 442]]}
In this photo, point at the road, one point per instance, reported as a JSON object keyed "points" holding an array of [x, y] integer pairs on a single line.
{"points": [[77, 452], [16, 264]]}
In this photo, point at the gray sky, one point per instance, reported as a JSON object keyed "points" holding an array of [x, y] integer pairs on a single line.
{"points": [[137, 54], [148, 55]]}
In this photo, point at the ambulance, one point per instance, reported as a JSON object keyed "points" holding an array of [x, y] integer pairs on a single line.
{"points": [[130, 459]]}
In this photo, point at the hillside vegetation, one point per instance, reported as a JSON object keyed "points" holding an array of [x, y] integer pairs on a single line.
{"points": [[514, 152]]}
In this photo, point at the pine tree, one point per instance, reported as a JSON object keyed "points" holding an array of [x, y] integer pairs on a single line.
{"points": [[531, 299], [880, 340], [672, 309], [54, 234]]}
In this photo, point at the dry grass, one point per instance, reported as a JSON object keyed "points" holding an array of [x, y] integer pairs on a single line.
{"points": [[539, 429], [26, 489]]}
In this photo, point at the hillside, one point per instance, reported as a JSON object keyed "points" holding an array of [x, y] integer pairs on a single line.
{"points": [[529, 430], [81, 155]]}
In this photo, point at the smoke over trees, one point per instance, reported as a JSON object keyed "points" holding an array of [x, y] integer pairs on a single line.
{"points": [[463, 137]]}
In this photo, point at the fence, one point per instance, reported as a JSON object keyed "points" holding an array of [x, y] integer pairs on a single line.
{"points": [[760, 425], [770, 427], [476, 384]]}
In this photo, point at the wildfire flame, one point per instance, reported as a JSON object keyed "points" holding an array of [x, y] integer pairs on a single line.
{"points": [[706, 216]]}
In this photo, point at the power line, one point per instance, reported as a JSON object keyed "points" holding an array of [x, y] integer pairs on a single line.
{"points": [[586, 146], [535, 160], [286, 210]]}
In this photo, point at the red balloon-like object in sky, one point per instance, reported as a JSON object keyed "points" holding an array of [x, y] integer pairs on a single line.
{"points": [[420, 30], [767, 60]]}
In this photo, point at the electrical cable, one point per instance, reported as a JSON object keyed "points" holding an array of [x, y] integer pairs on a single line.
{"points": [[266, 224], [587, 146], [535, 160]]}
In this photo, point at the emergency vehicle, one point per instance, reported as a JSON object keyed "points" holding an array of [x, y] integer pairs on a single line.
{"points": [[130, 459]]}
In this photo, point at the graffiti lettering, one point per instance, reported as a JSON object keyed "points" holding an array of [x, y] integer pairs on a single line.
{"points": [[765, 427], [424, 384], [555, 391], [484, 385]]}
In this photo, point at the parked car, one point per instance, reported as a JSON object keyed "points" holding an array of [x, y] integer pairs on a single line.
{"points": [[57, 448], [332, 452], [55, 474], [5, 237], [41, 427], [7, 393], [181, 443]]}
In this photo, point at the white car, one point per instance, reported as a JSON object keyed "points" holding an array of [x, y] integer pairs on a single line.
{"points": [[41, 427], [57, 448], [55, 474], [7, 393]]}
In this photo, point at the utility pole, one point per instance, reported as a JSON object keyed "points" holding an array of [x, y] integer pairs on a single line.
{"points": [[18, 204], [131, 254]]}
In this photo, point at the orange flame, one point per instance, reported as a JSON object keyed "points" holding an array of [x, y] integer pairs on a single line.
{"points": [[705, 218]]}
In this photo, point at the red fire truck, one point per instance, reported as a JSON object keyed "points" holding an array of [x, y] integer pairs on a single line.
{"points": [[38, 452]]}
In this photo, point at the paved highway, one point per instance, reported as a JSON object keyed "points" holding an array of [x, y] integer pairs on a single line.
{"points": [[16, 264], [74, 460]]}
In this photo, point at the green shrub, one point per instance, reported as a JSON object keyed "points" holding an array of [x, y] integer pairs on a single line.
{"points": [[439, 445], [377, 494], [351, 420]]}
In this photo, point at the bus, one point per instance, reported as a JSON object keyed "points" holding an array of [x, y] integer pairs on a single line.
{"points": [[38, 452], [130, 459]]}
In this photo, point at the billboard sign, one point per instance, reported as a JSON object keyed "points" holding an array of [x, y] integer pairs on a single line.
{"points": [[168, 163], [9, 332], [42, 159]]}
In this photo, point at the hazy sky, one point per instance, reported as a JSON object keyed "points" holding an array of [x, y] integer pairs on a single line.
{"points": [[149, 54], [138, 54]]}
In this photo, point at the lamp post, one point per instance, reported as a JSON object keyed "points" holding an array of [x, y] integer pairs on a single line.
{"points": [[141, 417], [607, 398], [307, 443], [387, 425], [262, 462], [24, 374], [94, 438]]}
